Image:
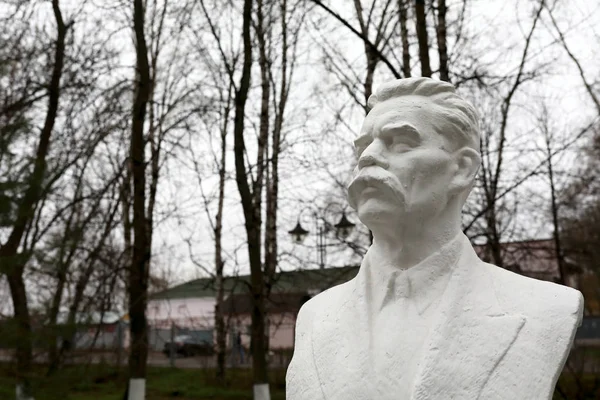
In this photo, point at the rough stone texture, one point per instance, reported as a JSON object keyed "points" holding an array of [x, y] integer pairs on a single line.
{"points": [[466, 329]]}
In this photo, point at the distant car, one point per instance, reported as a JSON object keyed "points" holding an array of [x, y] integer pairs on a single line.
{"points": [[188, 346]]}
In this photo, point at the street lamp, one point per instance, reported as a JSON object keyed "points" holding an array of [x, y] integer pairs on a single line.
{"points": [[343, 229], [298, 233]]}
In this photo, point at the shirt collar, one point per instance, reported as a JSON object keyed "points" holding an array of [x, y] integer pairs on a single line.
{"points": [[423, 283]]}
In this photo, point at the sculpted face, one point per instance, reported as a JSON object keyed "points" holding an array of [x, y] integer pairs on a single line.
{"points": [[405, 167]]}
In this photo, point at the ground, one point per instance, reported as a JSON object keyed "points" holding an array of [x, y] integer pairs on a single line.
{"points": [[101, 382], [104, 382]]}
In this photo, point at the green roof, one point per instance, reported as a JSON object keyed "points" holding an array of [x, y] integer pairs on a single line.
{"points": [[300, 281]]}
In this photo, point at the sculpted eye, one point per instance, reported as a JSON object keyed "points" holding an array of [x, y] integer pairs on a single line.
{"points": [[400, 137], [399, 144], [400, 147]]}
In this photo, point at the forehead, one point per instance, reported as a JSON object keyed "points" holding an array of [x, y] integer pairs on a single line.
{"points": [[414, 110]]}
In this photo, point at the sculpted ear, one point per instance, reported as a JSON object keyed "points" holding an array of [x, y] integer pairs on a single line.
{"points": [[467, 164]]}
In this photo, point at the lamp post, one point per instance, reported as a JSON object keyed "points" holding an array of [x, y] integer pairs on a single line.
{"points": [[343, 229]]}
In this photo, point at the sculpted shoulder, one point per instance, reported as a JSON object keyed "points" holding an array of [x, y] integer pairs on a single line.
{"points": [[552, 314], [325, 300], [536, 299]]}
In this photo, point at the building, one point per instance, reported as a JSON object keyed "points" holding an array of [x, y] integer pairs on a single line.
{"points": [[97, 331], [184, 309], [290, 290], [537, 259], [191, 305], [532, 258]]}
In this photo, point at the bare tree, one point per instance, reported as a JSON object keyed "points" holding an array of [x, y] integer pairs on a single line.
{"points": [[588, 86], [579, 220], [554, 205], [372, 47], [290, 35], [578, 225], [12, 262], [251, 196], [138, 273], [422, 36], [493, 152], [403, 9], [222, 72], [219, 262], [70, 243], [442, 40], [88, 265], [222, 117], [376, 28]]}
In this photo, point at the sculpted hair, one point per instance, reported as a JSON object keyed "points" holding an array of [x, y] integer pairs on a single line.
{"points": [[458, 120]]}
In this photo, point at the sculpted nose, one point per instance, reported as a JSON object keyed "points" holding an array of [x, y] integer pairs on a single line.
{"points": [[372, 156]]}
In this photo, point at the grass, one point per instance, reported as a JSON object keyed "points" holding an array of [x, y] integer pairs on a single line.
{"points": [[102, 382]]}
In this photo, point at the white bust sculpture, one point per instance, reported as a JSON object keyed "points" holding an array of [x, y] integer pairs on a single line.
{"points": [[425, 318]]}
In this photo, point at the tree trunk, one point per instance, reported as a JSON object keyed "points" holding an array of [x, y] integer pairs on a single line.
{"points": [[265, 89], [554, 209], [403, 11], [493, 237], [219, 263], [71, 239], [220, 320], [251, 216], [273, 176], [53, 352], [125, 196], [12, 263], [441, 38], [138, 273], [23, 327], [368, 84], [421, 26], [260, 345], [82, 283]]}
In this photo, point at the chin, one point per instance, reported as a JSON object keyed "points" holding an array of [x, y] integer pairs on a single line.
{"points": [[373, 213]]}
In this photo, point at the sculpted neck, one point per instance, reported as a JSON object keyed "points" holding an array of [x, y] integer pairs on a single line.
{"points": [[408, 245]]}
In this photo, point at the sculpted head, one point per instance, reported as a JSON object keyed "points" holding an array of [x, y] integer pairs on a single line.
{"points": [[418, 154]]}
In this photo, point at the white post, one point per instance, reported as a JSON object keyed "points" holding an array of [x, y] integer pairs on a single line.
{"points": [[261, 392], [137, 389], [172, 346], [21, 394]]}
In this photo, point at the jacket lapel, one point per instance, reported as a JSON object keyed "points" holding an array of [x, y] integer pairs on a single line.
{"points": [[470, 337]]}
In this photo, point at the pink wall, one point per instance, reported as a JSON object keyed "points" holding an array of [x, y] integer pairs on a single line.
{"points": [[281, 330], [198, 313], [185, 313]]}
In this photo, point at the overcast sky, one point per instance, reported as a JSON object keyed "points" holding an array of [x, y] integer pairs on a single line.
{"points": [[318, 146], [496, 25]]}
